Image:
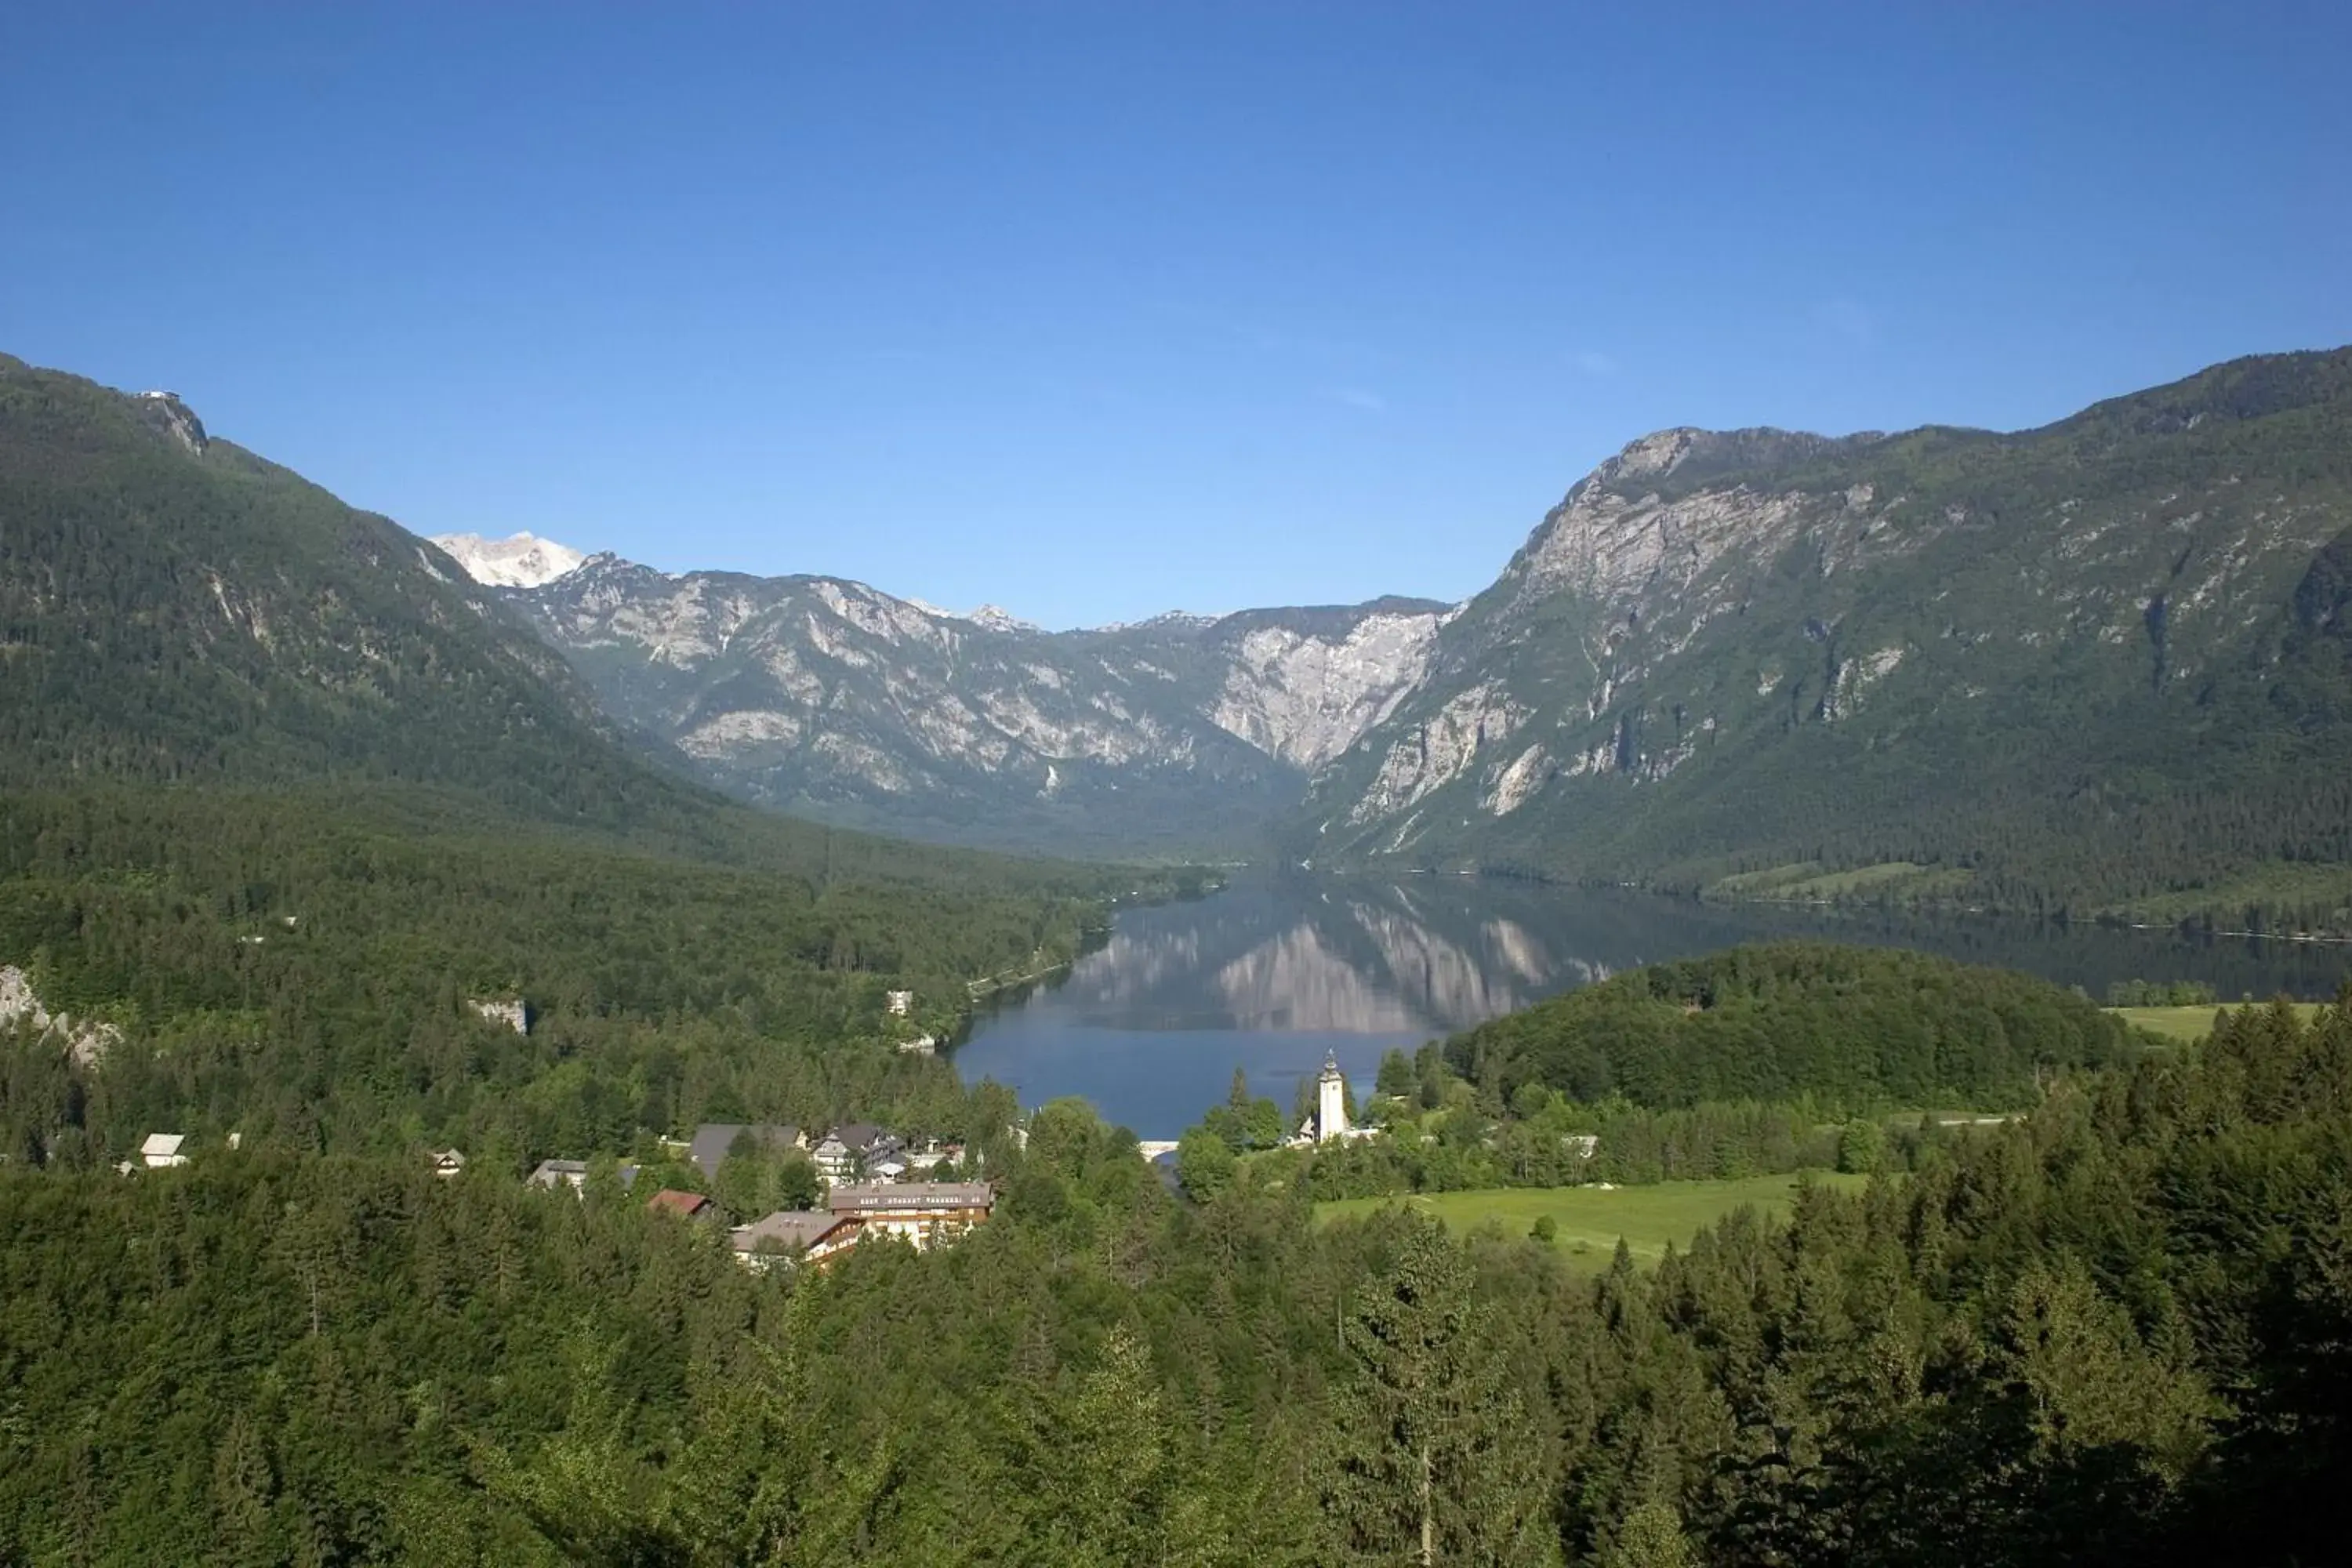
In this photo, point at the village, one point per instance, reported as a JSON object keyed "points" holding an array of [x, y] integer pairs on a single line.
{"points": [[857, 1179], [854, 1181]]}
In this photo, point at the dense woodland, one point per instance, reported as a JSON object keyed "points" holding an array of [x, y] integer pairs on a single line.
{"points": [[2115, 1330], [1855, 1028], [280, 797], [301, 968]]}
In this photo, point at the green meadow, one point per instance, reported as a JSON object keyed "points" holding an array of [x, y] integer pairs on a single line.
{"points": [[1590, 1219], [2186, 1025]]}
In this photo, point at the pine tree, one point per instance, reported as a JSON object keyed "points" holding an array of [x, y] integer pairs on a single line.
{"points": [[1432, 1461]]}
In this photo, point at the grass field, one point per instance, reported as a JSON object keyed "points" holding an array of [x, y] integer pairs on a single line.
{"points": [[1589, 1220], [2188, 1025]]}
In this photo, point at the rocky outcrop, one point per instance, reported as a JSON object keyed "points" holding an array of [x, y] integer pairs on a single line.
{"points": [[164, 411], [86, 1042]]}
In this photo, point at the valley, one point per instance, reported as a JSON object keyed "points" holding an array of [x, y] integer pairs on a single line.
{"points": [[633, 935], [2094, 670]]}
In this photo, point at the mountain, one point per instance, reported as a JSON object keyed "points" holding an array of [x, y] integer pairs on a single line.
{"points": [[2104, 665], [521, 561], [831, 699], [283, 794], [175, 609]]}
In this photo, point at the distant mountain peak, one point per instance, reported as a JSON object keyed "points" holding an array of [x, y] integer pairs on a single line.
{"points": [[520, 561], [996, 619], [993, 617]]}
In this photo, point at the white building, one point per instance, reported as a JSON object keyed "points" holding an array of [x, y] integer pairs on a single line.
{"points": [[1330, 1101], [163, 1149], [1329, 1123]]}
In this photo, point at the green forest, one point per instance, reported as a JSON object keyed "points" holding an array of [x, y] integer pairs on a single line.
{"points": [[2114, 1331]]}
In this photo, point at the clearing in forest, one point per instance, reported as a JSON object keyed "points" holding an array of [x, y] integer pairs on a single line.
{"points": [[2190, 1025], [1590, 1219]]}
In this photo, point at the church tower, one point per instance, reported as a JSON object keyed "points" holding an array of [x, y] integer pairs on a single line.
{"points": [[1331, 1101]]}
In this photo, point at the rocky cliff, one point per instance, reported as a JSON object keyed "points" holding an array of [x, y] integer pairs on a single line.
{"points": [[833, 699], [1943, 658]]}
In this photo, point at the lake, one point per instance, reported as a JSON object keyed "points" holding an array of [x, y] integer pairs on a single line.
{"points": [[1271, 974]]}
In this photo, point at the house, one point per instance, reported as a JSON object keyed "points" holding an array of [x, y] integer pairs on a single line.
{"points": [[448, 1163], [921, 1212], [685, 1205], [713, 1139], [810, 1235], [848, 1150], [890, 1168], [574, 1173], [923, 1161], [163, 1150]]}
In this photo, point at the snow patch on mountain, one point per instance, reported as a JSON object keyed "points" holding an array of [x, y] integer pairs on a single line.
{"points": [[520, 561]]}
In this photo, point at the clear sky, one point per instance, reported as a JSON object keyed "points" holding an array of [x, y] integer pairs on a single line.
{"points": [[1096, 309]]}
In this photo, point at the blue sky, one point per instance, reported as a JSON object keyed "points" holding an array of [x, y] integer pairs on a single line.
{"points": [[1094, 310]]}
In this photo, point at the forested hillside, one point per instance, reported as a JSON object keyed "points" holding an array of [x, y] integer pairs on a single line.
{"points": [[285, 795], [2113, 1332], [1854, 1028], [2102, 667]]}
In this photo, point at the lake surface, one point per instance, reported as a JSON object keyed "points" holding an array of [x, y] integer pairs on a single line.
{"points": [[1268, 975]]}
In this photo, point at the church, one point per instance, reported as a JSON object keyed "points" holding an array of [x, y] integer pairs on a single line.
{"points": [[1329, 1121]]}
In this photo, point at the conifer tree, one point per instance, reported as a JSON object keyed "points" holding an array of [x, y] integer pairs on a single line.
{"points": [[1431, 1462]]}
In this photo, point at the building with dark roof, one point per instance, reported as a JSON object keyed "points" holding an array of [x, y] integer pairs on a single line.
{"points": [[712, 1139], [850, 1150]]}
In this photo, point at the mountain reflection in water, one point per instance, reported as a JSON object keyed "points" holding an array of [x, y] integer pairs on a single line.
{"points": [[1270, 974]]}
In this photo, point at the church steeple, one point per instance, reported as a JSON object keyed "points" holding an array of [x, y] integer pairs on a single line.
{"points": [[1330, 1100]]}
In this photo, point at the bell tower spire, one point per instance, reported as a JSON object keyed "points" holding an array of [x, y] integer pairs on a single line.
{"points": [[1330, 1100]]}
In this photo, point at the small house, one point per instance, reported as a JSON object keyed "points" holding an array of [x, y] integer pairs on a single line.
{"points": [[810, 1235], [712, 1139], [685, 1205], [448, 1163], [574, 1173], [852, 1149], [163, 1150]]}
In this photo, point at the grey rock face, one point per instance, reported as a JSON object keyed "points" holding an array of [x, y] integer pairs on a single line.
{"points": [[834, 698], [165, 412], [1741, 643]]}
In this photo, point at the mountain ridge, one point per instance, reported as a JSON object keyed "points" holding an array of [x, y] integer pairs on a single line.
{"points": [[831, 697], [2102, 664], [1723, 654]]}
